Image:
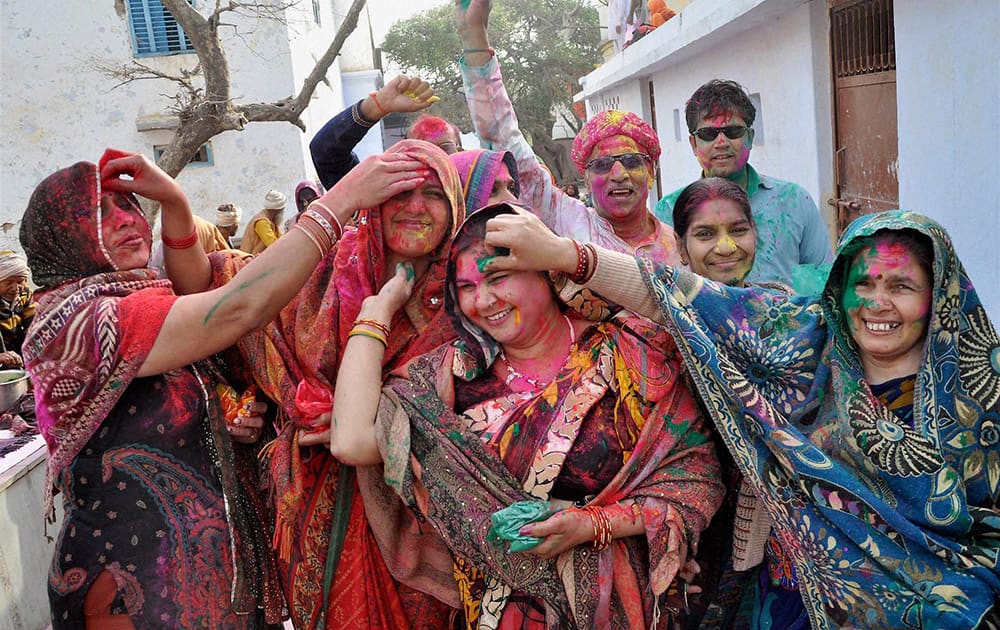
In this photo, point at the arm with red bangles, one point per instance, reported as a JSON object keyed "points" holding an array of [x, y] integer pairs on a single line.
{"points": [[576, 526], [186, 263]]}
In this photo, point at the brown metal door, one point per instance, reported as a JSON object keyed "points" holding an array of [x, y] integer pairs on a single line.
{"points": [[864, 71]]}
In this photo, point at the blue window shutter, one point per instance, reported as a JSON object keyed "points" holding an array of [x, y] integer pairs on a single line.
{"points": [[154, 30]]}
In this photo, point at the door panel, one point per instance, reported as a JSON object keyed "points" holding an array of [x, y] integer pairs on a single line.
{"points": [[864, 64]]}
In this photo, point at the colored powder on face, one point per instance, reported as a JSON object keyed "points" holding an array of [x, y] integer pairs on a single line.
{"points": [[859, 269], [517, 316], [728, 241], [483, 262]]}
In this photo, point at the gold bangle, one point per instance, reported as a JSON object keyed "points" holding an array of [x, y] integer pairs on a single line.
{"points": [[361, 332], [374, 323]]}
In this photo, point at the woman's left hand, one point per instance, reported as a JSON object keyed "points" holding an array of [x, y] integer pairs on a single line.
{"points": [[144, 177], [247, 429], [560, 532]]}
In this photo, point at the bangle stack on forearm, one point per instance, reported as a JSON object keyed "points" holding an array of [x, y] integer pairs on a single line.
{"points": [[371, 328], [320, 225]]}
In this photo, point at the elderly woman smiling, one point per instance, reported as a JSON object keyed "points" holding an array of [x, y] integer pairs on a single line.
{"points": [[866, 420], [530, 403]]}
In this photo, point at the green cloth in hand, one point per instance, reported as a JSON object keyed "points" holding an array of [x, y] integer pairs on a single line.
{"points": [[507, 523]]}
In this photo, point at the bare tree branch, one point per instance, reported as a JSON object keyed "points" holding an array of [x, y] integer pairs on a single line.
{"points": [[205, 108]]}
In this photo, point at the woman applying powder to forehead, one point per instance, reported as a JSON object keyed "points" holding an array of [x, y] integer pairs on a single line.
{"points": [[866, 419]]}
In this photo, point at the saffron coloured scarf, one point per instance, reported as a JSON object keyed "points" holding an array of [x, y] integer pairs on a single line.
{"points": [[303, 344]]}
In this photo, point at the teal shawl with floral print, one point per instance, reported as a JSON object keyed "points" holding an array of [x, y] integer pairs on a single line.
{"points": [[890, 526]]}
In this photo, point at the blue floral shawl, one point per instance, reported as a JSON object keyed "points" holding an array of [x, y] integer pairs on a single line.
{"points": [[889, 526]]}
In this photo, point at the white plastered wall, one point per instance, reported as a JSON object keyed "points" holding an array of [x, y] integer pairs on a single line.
{"points": [[58, 109], [948, 95]]}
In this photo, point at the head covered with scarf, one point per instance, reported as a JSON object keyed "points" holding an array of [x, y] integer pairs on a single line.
{"points": [[477, 343], [478, 170], [609, 123], [305, 192], [296, 358], [12, 264], [61, 230], [891, 522]]}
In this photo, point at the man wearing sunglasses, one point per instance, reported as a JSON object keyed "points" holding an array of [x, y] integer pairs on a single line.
{"points": [[616, 151], [790, 230]]}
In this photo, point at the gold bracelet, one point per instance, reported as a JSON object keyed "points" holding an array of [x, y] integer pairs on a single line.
{"points": [[361, 332], [374, 323]]}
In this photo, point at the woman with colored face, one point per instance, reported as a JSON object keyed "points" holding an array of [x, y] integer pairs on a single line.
{"points": [[153, 457], [865, 419], [407, 203], [488, 177], [531, 403], [715, 228]]}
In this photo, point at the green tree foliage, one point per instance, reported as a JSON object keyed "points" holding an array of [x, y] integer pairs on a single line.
{"points": [[544, 47]]}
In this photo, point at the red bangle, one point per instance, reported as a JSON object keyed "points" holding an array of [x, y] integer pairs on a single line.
{"points": [[180, 243], [377, 104], [580, 274]]}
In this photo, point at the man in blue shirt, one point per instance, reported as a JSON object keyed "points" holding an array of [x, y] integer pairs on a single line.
{"points": [[790, 230]]}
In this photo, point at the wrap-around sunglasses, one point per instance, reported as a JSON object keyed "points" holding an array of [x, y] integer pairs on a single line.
{"points": [[711, 133]]}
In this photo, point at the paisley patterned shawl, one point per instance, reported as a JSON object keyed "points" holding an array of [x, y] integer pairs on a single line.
{"points": [[305, 340], [439, 462], [889, 526], [87, 341]]}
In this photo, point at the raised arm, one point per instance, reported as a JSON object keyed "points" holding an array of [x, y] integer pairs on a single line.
{"points": [[211, 321], [533, 246], [496, 124], [359, 380], [332, 148]]}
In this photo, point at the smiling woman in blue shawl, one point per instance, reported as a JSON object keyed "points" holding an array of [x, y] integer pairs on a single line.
{"points": [[891, 520]]}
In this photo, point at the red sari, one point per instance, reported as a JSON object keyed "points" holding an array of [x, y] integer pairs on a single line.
{"points": [[352, 588]]}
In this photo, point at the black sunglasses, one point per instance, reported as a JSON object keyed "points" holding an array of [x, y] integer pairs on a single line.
{"points": [[631, 162], [711, 133]]}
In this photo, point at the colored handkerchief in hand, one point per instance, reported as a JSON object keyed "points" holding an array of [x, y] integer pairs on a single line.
{"points": [[507, 523]]}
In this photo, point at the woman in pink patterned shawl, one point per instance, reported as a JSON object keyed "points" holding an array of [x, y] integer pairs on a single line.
{"points": [[593, 423], [158, 530]]}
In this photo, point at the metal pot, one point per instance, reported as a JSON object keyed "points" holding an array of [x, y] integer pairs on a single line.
{"points": [[13, 385]]}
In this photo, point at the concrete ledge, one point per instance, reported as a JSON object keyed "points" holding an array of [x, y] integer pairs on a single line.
{"points": [[700, 26]]}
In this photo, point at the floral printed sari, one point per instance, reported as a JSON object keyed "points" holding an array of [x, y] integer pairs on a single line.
{"points": [[890, 525], [616, 424]]}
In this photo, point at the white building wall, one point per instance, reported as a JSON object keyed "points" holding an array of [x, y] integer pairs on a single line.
{"points": [[948, 95], [58, 109]]}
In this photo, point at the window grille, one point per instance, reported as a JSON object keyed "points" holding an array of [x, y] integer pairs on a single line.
{"points": [[863, 38], [155, 31], [203, 157]]}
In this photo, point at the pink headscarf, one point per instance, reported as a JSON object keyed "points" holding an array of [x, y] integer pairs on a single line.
{"points": [[478, 169], [613, 122]]}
